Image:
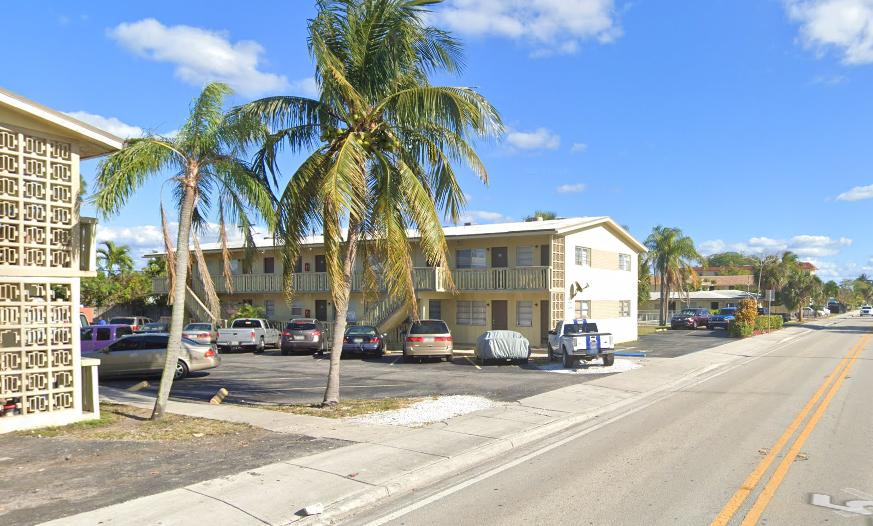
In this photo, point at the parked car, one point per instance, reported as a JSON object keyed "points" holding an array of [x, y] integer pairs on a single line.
{"points": [[135, 322], [154, 326], [304, 335], [504, 346], [428, 339], [96, 337], [866, 310], [201, 332], [252, 334], [690, 319], [573, 341], [723, 319], [144, 354], [363, 340]]}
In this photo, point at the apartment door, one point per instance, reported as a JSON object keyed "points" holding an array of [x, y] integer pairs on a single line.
{"points": [[321, 310], [545, 320], [499, 257], [499, 321], [320, 264], [545, 255]]}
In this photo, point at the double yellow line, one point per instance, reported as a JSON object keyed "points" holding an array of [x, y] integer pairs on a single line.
{"points": [[831, 384]]}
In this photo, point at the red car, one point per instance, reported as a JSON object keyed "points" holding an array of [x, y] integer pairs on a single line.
{"points": [[690, 319]]}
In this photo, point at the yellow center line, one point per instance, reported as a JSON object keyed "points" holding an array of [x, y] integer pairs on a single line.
{"points": [[736, 501], [782, 470]]}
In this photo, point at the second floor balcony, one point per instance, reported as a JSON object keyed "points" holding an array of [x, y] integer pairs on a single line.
{"points": [[425, 279]]}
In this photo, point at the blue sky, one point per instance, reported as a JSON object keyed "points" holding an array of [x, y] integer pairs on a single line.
{"points": [[744, 122]]}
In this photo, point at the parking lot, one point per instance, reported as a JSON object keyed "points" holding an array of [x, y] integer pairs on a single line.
{"points": [[674, 343], [272, 378]]}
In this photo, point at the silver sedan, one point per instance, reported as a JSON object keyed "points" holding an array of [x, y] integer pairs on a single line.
{"points": [[144, 354]]}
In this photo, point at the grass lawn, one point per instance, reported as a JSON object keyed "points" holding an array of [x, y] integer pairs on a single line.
{"points": [[643, 330], [123, 422], [346, 408]]}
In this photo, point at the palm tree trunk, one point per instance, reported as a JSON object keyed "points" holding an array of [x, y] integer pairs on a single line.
{"points": [[174, 346], [341, 310]]}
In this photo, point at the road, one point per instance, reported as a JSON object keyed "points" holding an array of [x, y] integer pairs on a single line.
{"points": [[750, 446], [675, 343]]}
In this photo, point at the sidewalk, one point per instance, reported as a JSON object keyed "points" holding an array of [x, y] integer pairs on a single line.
{"points": [[385, 460]]}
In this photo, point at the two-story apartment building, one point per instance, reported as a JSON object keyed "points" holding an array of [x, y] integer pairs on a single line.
{"points": [[45, 248], [521, 276]]}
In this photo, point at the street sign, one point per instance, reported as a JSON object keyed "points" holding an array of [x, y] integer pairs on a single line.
{"points": [[770, 295]]}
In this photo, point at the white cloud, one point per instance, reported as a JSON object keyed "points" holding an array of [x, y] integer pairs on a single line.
{"points": [[539, 139], [578, 147], [843, 25], [857, 193], [829, 80], [200, 55], [140, 236], [571, 188], [110, 124], [553, 26], [803, 245], [484, 216], [307, 87]]}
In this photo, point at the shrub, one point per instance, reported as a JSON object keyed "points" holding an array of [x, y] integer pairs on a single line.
{"points": [[775, 322], [740, 329], [747, 311]]}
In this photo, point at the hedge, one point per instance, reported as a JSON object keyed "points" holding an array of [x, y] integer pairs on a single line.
{"points": [[739, 329], [776, 322]]}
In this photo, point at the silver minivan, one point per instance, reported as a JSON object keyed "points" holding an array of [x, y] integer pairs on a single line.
{"points": [[428, 339], [144, 354]]}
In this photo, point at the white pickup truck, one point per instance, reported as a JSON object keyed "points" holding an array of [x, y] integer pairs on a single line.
{"points": [[573, 341], [248, 334]]}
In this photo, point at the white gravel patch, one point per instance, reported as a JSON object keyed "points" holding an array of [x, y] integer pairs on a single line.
{"points": [[428, 411], [620, 366]]}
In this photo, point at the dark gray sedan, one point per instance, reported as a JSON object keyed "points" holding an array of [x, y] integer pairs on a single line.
{"points": [[363, 340]]}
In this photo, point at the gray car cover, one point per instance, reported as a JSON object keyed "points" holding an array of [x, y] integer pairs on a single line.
{"points": [[502, 345]]}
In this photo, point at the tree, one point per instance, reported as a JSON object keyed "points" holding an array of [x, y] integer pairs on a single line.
{"points": [[831, 290], [545, 215], [156, 268], [644, 278], [672, 254], [730, 259], [250, 311], [207, 172], [382, 144], [801, 289], [114, 259]]}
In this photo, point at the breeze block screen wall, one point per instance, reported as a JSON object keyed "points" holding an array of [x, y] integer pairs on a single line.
{"points": [[39, 283]]}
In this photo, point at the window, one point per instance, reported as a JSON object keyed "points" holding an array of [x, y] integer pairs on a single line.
{"points": [[624, 262], [104, 333], [86, 333], [435, 309], [127, 344], [579, 328], [298, 265], [471, 258], [234, 266], [524, 313], [269, 265], [246, 324], [713, 305], [471, 313], [297, 309], [122, 331], [583, 256], [624, 308], [270, 307], [524, 257], [583, 310]]}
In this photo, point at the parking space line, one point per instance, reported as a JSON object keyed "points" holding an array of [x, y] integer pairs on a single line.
{"points": [[474, 364], [395, 360]]}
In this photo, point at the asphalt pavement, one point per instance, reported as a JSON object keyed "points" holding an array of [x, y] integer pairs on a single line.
{"points": [[674, 343], [782, 439], [274, 379]]}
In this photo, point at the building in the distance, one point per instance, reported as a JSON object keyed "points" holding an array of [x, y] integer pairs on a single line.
{"points": [[45, 248], [523, 276]]}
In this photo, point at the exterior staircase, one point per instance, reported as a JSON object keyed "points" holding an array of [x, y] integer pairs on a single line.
{"points": [[196, 308], [386, 314]]}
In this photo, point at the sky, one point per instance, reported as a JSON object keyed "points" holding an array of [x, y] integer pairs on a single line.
{"points": [[746, 123]]}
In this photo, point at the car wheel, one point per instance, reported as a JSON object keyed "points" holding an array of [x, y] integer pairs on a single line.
{"points": [[608, 359], [260, 348], [181, 370], [552, 357], [566, 359], [449, 358]]}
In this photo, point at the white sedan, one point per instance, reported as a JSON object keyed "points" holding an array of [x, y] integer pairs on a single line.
{"points": [[866, 310]]}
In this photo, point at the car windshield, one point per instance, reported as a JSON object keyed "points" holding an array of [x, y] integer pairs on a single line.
{"points": [[122, 321], [362, 330], [580, 328], [728, 312], [429, 327], [246, 324], [689, 312], [301, 326], [198, 327]]}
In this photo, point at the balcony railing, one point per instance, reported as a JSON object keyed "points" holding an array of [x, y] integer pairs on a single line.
{"points": [[424, 278]]}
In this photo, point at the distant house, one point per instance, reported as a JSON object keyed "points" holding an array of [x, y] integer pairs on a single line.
{"points": [[740, 277], [702, 299]]}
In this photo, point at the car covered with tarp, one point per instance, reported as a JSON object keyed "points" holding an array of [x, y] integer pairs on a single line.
{"points": [[506, 346]]}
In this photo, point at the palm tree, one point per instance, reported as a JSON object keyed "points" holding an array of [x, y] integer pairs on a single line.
{"points": [[544, 214], [382, 144], [206, 170], [114, 259], [672, 254]]}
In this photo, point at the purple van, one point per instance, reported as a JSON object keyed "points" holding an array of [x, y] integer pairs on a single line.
{"points": [[97, 337]]}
